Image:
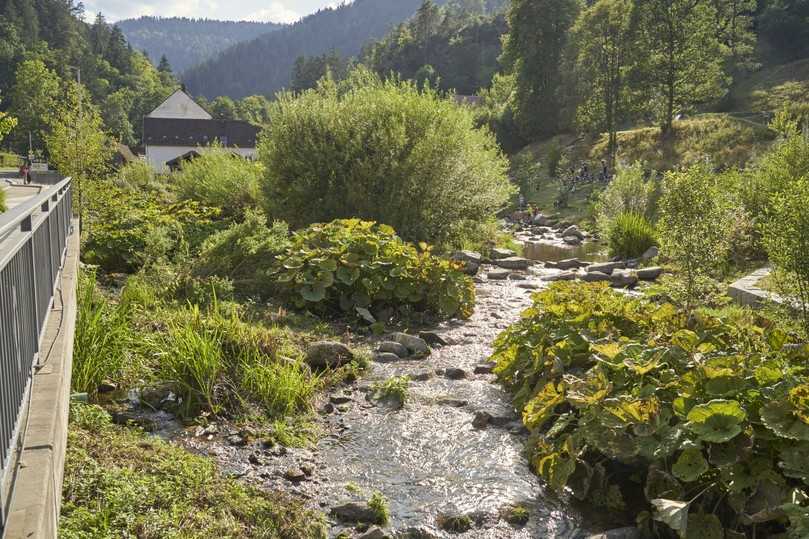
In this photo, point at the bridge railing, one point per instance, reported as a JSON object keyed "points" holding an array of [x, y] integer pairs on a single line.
{"points": [[33, 239]]}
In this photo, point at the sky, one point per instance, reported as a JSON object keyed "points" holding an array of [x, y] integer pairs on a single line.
{"points": [[251, 10]]}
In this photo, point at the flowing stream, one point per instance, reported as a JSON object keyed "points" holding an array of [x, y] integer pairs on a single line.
{"points": [[428, 458]]}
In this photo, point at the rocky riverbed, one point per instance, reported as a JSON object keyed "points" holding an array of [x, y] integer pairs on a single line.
{"points": [[450, 457]]}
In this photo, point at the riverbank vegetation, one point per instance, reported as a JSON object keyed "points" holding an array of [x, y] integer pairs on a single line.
{"points": [[119, 480]]}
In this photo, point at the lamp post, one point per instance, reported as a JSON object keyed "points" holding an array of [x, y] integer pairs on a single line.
{"points": [[78, 179]]}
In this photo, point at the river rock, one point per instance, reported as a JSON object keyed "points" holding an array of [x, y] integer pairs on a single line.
{"points": [[528, 286], [415, 345], [374, 533], [328, 354], [454, 373], [572, 240], [650, 274], [422, 376], [393, 347], [454, 403], [236, 440], [607, 267], [499, 253], [386, 357], [107, 387], [481, 420], [651, 252], [513, 263], [415, 533], [623, 278], [485, 368], [498, 275], [433, 338], [570, 263], [595, 277], [470, 259], [618, 533], [564, 276], [340, 399], [354, 512], [541, 219], [574, 232]]}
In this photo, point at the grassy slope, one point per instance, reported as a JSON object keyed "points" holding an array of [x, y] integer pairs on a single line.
{"points": [[152, 489], [771, 88]]}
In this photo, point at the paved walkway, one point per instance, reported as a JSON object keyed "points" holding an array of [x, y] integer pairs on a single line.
{"points": [[17, 194]]}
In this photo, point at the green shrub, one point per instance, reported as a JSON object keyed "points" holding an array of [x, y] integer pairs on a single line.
{"points": [[243, 252], [351, 263], [139, 176], [631, 235], [627, 401], [220, 179], [3, 204], [379, 504], [123, 230], [629, 192], [102, 338], [786, 237], [123, 483], [383, 151], [695, 227], [394, 389]]}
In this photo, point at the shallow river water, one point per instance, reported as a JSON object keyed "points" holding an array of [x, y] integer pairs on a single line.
{"points": [[427, 458]]}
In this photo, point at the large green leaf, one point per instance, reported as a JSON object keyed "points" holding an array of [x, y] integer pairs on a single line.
{"points": [[717, 421], [690, 465], [779, 416], [314, 294]]}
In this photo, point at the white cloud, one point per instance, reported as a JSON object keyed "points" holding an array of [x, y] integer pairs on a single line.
{"points": [[276, 12]]}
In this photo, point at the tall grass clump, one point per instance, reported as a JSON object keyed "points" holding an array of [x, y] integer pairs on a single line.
{"points": [[3, 204], [281, 388], [191, 359], [220, 179], [384, 151], [629, 192], [631, 235], [103, 335]]}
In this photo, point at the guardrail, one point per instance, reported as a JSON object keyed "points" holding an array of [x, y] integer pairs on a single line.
{"points": [[33, 238]]}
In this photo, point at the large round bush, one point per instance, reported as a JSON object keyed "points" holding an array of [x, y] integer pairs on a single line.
{"points": [[382, 151]]}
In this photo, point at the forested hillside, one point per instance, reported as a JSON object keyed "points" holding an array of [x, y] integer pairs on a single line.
{"points": [[456, 48], [43, 46], [187, 42], [264, 65]]}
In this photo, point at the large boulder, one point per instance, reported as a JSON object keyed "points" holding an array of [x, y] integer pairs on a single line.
{"points": [[621, 278], [328, 354], [470, 259], [572, 240], [541, 219], [651, 252], [573, 231], [498, 275], [415, 345], [354, 512], [570, 263], [499, 253], [595, 277], [607, 267], [649, 274], [393, 347], [513, 263]]}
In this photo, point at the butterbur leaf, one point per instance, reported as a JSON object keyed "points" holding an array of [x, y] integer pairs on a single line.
{"points": [[365, 314], [717, 421], [673, 513], [794, 461], [661, 484], [704, 526], [690, 465], [776, 339], [314, 293], [685, 339], [799, 398], [541, 407], [779, 417]]}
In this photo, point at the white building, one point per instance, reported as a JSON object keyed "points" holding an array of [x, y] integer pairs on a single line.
{"points": [[180, 127]]}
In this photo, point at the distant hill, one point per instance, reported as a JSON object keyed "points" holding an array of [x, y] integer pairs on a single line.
{"points": [[264, 65], [188, 42]]}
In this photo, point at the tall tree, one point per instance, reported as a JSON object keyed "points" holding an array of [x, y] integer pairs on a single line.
{"points": [[533, 51], [33, 101], [77, 145], [684, 58], [7, 123], [604, 53], [164, 66]]}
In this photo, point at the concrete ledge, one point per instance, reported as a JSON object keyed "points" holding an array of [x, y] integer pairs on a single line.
{"points": [[746, 291], [35, 504]]}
